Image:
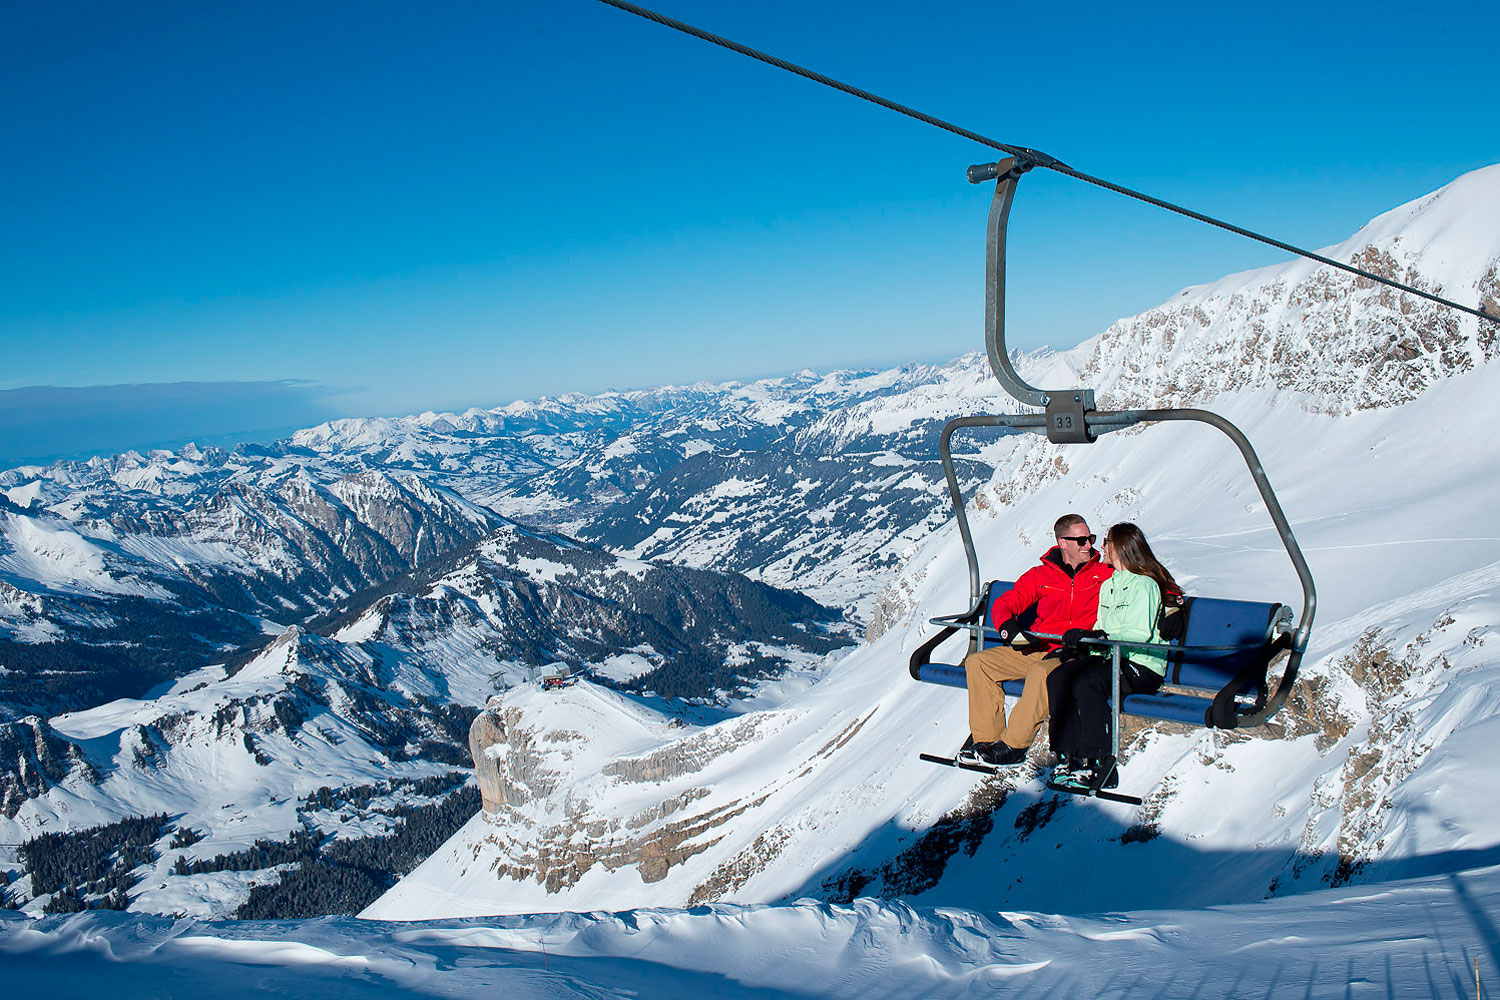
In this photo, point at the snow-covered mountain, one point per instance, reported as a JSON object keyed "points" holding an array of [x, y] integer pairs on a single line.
{"points": [[495, 614], [1375, 771], [1343, 343], [126, 572], [815, 482], [310, 738], [378, 701], [200, 557], [120, 575]]}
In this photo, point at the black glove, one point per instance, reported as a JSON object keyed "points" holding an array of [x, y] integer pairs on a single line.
{"points": [[1073, 636], [1008, 630], [1171, 625], [1171, 622]]}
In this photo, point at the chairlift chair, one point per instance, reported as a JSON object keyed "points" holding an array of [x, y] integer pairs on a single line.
{"points": [[1217, 674]]}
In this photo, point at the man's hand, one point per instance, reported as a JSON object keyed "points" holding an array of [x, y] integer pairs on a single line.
{"points": [[1010, 629]]}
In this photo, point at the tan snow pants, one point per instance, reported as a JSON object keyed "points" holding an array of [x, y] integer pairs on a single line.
{"points": [[986, 669]]}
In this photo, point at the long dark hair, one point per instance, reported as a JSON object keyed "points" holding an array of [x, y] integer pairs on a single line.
{"points": [[1130, 547]]}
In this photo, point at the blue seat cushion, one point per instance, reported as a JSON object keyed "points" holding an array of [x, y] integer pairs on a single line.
{"points": [[951, 674], [1171, 707]]}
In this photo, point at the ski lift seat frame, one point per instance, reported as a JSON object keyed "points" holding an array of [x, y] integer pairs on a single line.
{"points": [[1255, 632], [1223, 658]]}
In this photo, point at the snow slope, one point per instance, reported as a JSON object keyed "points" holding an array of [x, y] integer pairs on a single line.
{"points": [[1417, 937]]}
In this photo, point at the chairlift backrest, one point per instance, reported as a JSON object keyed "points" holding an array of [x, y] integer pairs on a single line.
{"points": [[1220, 622], [992, 594]]}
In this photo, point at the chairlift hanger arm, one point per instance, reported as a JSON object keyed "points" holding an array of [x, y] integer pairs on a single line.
{"points": [[1006, 174], [1112, 420], [1071, 417]]}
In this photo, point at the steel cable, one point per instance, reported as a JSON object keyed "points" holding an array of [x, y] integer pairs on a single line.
{"points": [[1034, 157]]}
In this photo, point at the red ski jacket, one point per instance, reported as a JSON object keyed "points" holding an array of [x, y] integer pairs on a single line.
{"points": [[1063, 600]]}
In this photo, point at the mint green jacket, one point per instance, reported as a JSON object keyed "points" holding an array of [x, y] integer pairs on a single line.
{"points": [[1128, 607]]}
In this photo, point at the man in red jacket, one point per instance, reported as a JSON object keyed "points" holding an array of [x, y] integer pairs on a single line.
{"points": [[1064, 589]]}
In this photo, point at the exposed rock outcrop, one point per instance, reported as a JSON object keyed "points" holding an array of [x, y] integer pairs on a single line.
{"points": [[33, 758]]}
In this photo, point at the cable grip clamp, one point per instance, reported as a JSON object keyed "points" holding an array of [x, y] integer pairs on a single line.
{"points": [[1066, 413]]}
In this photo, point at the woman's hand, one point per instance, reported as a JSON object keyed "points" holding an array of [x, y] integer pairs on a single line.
{"points": [[1073, 637]]}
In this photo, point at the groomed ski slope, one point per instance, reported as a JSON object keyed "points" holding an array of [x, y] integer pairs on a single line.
{"points": [[1418, 937]]}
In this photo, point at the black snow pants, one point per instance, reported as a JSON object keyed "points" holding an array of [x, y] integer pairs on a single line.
{"points": [[1078, 692]]}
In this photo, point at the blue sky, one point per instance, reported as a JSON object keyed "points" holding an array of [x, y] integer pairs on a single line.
{"points": [[396, 207]]}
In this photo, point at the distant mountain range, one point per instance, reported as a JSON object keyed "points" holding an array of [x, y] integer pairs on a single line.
{"points": [[122, 573], [125, 573]]}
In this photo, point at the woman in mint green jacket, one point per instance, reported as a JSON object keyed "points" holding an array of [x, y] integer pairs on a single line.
{"points": [[1078, 690]]}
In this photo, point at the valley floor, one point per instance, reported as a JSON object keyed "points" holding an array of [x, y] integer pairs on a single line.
{"points": [[1414, 937]]}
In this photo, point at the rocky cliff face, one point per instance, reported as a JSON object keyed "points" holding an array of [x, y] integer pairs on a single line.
{"points": [[1341, 343], [35, 758], [543, 827]]}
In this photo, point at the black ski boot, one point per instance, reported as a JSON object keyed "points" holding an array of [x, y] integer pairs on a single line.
{"points": [[1106, 773]]}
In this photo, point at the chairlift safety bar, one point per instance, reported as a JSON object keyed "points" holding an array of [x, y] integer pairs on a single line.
{"points": [[958, 621]]}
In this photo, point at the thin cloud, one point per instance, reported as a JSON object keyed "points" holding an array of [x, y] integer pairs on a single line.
{"points": [[40, 424]]}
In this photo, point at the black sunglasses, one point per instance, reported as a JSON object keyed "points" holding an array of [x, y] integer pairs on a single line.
{"points": [[1077, 539]]}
